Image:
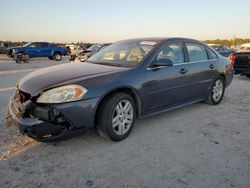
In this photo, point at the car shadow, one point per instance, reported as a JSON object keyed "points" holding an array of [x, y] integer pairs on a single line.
{"points": [[21, 146]]}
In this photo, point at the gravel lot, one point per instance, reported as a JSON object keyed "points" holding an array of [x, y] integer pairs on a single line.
{"points": [[196, 146]]}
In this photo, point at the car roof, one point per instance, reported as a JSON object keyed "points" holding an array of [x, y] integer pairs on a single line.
{"points": [[160, 39]]}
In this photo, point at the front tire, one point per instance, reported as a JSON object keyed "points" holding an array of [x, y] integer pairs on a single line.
{"points": [[116, 117], [57, 56], [217, 91], [21, 57]]}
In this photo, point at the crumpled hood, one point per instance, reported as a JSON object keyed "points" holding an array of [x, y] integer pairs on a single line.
{"points": [[46, 78], [16, 47]]}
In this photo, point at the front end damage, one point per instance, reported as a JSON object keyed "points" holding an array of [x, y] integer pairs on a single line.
{"points": [[42, 122]]}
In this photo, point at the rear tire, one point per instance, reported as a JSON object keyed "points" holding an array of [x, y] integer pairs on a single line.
{"points": [[216, 92], [26, 58], [248, 75], [57, 56], [116, 117]]}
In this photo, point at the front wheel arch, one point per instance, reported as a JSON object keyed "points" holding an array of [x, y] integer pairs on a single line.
{"points": [[126, 90]]}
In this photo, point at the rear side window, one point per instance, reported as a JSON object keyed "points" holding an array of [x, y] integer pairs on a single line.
{"points": [[172, 51], [43, 45], [211, 54], [196, 52]]}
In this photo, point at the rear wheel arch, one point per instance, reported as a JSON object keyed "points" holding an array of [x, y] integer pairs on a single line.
{"points": [[223, 76], [132, 92], [210, 99], [220, 75], [57, 52]]}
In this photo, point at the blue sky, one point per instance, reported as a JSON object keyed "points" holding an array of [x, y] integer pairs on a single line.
{"points": [[112, 20]]}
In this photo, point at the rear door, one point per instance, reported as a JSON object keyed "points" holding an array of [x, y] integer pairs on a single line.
{"points": [[203, 62], [45, 50], [169, 86]]}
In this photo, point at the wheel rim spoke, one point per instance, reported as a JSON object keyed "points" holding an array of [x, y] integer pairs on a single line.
{"points": [[121, 129], [115, 124], [115, 119], [127, 107]]}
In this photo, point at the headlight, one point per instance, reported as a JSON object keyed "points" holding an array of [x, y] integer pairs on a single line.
{"points": [[63, 94]]}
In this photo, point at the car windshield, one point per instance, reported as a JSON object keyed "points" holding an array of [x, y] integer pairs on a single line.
{"points": [[27, 44], [123, 54], [95, 47]]}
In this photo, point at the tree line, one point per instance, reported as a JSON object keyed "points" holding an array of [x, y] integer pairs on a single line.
{"points": [[229, 43]]}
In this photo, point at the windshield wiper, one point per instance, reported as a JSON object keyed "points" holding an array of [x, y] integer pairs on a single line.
{"points": [[109, 64]]}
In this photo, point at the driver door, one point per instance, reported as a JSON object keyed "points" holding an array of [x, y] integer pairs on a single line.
{"points": [[33, 50], [169, 86]]}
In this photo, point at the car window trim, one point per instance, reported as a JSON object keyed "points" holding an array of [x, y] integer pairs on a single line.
{"points": [[169, 42], [185, 53], [207, 48], [196, 43], [185, 63]]}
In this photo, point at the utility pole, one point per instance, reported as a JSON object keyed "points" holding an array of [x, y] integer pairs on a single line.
{"points": [[234, 40]]}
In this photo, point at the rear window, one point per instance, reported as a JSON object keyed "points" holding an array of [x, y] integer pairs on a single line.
{"points": [[211, 54]]}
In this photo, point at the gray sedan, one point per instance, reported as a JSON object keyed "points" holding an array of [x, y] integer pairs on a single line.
{"points": [[127, 80]]}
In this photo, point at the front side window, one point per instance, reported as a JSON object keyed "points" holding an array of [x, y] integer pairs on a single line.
{"points": [[124, 54], [33, 45], [95, 47], [172, 51], [196, 52]]}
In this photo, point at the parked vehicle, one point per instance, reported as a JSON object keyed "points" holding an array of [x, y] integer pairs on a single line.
{"points": [[241, 61], [3, 48], [74, 51], [222, 49], [127, 80], [84, 55], [37, 49]]}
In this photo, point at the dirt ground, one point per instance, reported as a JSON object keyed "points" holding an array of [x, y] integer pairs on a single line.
{"points": [[196, 146]]}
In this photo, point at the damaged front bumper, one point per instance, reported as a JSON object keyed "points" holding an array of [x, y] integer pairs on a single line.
{"points": [[51, 122]]}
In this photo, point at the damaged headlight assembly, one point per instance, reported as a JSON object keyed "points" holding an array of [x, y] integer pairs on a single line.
{"points": [[62, 94]]}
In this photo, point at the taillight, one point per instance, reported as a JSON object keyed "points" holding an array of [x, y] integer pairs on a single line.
{"points": [[232, 59]]}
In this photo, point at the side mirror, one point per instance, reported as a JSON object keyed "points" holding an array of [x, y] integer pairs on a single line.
{"points": [[164, 62]]}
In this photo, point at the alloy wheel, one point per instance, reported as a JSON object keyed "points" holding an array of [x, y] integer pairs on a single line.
{"points": [[217, 90], [122, 117]]}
